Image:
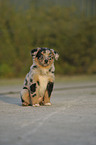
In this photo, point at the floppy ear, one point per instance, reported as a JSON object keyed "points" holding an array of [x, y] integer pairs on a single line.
{"points": [[34, 52], [56, 55]]}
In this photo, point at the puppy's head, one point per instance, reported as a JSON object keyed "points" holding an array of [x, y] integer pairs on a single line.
{"points": [[44, 57]]}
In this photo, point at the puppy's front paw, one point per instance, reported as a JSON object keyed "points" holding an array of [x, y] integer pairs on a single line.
{"points": [[36, 105], [48, 104], [25, 104]]}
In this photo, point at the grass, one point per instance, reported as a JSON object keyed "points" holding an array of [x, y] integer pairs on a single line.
{"points": [[11, 81], [76, 78], [81, 78]]}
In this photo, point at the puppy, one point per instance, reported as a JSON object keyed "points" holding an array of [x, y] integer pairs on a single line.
{"points": [[39, 82]]}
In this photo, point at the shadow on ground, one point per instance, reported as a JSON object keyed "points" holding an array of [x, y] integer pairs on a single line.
{"points": [[10, 100]]}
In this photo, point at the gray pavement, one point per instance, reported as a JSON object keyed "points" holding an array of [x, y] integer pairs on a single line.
{"points": [[71, 120]]}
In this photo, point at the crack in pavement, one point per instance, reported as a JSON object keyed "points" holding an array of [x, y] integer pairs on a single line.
{"points": [[40, 122]]}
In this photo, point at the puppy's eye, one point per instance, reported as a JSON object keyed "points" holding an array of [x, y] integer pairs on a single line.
{"points": [[50, 57]]}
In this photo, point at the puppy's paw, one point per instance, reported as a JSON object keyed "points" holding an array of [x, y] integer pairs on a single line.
{"points": [[36, 105], [48, 104], [25, 104]]}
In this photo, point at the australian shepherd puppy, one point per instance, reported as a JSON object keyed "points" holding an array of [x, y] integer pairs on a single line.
{"points": [[38, 84]]}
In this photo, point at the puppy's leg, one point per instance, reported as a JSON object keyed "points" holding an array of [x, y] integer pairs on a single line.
{"points": [[34, 94], [48, 94], [25, 97]]}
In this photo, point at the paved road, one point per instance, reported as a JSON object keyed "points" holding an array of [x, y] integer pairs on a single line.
{"points": [[71, 120]]}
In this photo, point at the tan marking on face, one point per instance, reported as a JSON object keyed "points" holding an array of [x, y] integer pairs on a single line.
{"points": [[38, 63]]}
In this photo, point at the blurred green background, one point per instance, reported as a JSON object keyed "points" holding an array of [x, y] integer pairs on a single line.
{"points": [[68, 27]]}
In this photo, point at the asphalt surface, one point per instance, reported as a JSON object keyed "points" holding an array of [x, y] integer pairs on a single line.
{"points": [[71, 120]]}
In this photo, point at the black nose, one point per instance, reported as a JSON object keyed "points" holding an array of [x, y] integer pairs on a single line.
{"points": [[46, 60]]}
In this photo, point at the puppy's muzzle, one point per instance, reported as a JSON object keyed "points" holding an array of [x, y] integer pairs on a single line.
{"points": [[46, 61]]}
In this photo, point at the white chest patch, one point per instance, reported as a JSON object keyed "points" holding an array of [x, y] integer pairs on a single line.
{"points": [[43, 84]]}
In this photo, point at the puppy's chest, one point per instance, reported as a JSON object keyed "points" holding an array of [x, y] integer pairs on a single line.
{"points": [[43, 81]]}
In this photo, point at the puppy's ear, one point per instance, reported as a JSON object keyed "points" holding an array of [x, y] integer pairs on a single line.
{"points": [[56, 55], [34, 52]]}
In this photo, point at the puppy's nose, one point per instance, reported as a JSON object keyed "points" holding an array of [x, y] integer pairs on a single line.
{"points": [[46, 60]]}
